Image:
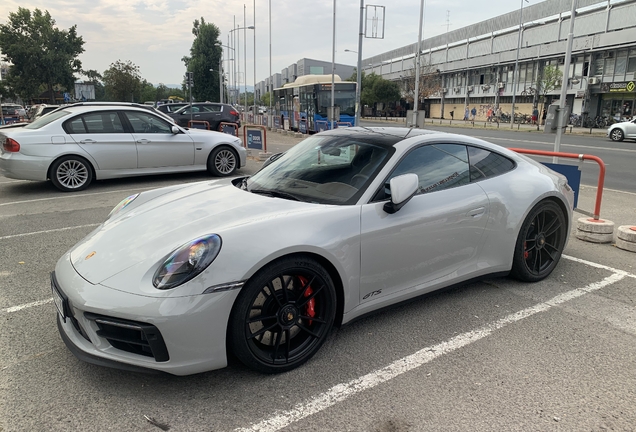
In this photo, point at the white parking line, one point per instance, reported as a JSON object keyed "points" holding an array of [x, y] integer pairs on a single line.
{"points": [[48, 231], [67, 196], [340, 392], [28, 305]]}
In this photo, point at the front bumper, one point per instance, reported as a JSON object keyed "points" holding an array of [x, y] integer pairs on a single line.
{"points": [[191, 330]]}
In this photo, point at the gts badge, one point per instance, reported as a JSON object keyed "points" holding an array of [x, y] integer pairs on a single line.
{"points": [[371, 294]]}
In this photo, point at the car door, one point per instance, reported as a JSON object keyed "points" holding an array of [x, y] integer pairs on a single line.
{"points": [[157, 146], [435, 234], [630, 129], [102, 135]]}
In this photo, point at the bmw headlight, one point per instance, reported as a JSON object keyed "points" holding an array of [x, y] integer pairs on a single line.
{"points": [[119, 207], [187, 261]]}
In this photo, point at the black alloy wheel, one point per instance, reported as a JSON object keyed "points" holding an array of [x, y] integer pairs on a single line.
{"points": [[540, 243], [283, 315]]}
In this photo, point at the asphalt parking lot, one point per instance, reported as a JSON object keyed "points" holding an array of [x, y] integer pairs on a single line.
{"points": [[495, 355]]}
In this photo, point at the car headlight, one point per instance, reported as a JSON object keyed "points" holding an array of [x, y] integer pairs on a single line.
{"points": [[119, 207], [187, 261]]}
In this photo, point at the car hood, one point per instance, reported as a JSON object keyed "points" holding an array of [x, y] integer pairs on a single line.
{"points": [[150, 231]]}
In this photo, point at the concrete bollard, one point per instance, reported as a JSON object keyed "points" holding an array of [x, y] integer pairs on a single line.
{"points": [[594, 231], [626, 238]]}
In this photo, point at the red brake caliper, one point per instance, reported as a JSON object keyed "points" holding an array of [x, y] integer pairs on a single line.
{"points": [[525, 250], [310, 308]]}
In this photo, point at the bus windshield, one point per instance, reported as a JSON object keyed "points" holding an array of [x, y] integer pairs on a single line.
{"points": [[345, 99]]}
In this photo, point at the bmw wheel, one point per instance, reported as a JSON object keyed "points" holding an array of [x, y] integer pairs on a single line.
{"points": [[222, 162], [283, 315], [617, 135], [540, 243], [71, 173]]}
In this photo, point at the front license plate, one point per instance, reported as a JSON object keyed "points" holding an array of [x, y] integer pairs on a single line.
{"points": [[59, 301]]}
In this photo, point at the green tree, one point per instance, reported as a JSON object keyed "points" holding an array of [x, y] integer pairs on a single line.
{"points": [[549, 80], [265, 99], [205, 54], [148, 92], [96, 79], [122, 82], [430, 82], [386, 91], [41, 53]]}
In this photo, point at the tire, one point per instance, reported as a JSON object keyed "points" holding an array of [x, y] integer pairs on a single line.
{"points": [[222, 162], [71, 173], [296, 299], [540, 243], [617, 135]]}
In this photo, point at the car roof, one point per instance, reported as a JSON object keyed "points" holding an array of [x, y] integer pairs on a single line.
{"points": [[388, 136], [82, 107]]}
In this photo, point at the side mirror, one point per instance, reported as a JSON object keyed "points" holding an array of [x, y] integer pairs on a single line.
{"points": [[175, 130], [403, 188]]}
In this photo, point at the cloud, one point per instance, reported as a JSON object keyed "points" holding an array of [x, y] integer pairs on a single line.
{"points": [[156, 34]]}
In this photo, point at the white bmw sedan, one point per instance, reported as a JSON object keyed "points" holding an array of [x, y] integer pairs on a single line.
{"points": [[78, 144]]}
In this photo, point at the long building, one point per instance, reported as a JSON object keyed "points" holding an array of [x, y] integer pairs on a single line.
{"points": [[476, 63]]}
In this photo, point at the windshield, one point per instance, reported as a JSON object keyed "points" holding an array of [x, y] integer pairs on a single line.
{"points": [[322, 169], [49, 118]]}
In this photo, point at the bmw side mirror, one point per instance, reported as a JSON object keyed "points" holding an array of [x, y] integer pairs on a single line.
{"points": [[403, 188], [175, 130]]}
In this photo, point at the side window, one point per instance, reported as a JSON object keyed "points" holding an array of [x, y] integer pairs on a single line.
{"points": [[193, 109], [485, 164], [98, 122], [211, 108], [147, 123], [438, 166], [75, 126]]}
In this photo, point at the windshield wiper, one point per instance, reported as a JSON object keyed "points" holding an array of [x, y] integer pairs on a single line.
{"points": [[275, 193]]}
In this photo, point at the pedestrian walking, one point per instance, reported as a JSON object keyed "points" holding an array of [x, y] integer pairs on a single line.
{"points": [[544, 114], [466, 114], [489, 114], [473, 113], [535, 115], [452, 114], [498, 114]]}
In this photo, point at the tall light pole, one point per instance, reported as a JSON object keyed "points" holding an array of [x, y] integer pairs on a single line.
{"points": [[244, 61], [359, 71], [220, 64], [333, 67], [271, 78], [359, 68], [416, 91], [254, 112], [514, 73], [564, 84]]}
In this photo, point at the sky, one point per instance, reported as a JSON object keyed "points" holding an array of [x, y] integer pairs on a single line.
{"points": [[156, 34]]}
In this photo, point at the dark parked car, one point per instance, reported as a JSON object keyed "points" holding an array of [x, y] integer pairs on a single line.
{"points": [[213, 113]]}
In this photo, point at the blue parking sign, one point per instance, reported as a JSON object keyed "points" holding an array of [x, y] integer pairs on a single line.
{"points": [[255, 139]]}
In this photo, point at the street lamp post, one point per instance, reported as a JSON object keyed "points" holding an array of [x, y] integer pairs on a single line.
{"points": [[359, 68], [564, 84], [221, 68], [514, 73], [416, 91], [244, 62]]}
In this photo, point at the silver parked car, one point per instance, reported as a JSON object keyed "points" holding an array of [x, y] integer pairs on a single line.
{"points": [[346, 222], [622, 130], [74, 145]]}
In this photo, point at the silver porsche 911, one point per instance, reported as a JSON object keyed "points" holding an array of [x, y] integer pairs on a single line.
{"points": [[344, 223]]}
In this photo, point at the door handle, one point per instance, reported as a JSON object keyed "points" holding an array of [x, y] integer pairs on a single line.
{"points": [[476, 212], [143, 141], [88, 141]]}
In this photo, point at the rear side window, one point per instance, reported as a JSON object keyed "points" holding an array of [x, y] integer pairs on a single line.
{"points": [[212, 108], [438, 166], [486, 164], [97, 123]]}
